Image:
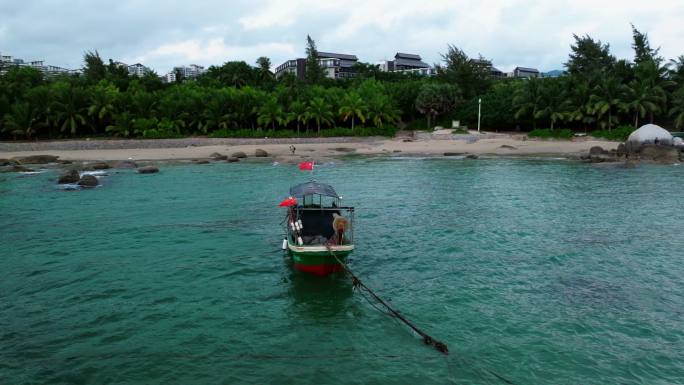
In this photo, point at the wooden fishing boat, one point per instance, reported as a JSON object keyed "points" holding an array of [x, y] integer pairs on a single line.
{"points": [[319, 229]]}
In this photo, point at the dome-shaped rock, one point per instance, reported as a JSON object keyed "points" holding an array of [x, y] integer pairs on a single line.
{"points": [[648, 134]]}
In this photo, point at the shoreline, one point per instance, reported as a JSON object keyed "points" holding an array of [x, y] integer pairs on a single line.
{"points": [[306, 148]]}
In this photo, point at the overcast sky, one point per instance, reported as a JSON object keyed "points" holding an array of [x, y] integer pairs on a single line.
{"points": [[530, 33]]}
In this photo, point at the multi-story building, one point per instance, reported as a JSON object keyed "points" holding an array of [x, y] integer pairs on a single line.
{"points": [[136, 69], [185, 72], [407, 63], [169, 77], [189, 72], [47, 70], [525, 73], [334, 65]]}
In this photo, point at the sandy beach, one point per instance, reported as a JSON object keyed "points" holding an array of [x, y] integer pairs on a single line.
{"points": [[306, 148]]}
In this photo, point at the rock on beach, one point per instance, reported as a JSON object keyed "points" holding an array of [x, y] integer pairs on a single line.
{"points": [[68, 176], [148, 170], [88, 181]]}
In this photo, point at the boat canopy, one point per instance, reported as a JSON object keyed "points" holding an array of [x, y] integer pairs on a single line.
{"points": [[312, 188]]}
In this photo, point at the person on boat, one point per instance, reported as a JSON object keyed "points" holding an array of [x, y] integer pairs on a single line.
{"points": [[339, 224]]}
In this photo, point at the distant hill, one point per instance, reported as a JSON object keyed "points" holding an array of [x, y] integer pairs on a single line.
{"points": [[553, 74]]}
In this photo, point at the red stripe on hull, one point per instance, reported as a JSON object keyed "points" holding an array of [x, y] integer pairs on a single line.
{"points": [[321, 270]]}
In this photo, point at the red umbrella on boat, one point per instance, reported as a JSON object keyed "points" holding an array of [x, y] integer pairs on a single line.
{"points": [[289, 202]]}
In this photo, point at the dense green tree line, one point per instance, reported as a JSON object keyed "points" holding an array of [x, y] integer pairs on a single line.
{"points": [[598, 92]]}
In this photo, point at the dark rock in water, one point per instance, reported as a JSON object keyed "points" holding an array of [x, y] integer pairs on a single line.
{"points": [[217, 156], [126, 164], [37, 159], [233, 159], [659, 154], [64, 161], [453, 153], [259, 153], [6, 162], [148, 170], [239, 154], [508, 147], [597, 150], [200, 161], [472, 156], [88, 181], [68, 176], [99, 166], [18, 168]]}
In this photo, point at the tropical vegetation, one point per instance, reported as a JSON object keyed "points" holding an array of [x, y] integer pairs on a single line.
{"points": [[597, 93]]}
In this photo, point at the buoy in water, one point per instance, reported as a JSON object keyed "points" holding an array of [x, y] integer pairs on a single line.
{"points": [[284, 244]]}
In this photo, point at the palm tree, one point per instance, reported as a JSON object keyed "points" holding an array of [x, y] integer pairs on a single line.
{"points": [[353, 106], [270, 112], [102, 102], [641, 99], [70, 108], [606, 98], [677, 110], [553, 103], [381, 110], [528, 100], [21, 120], [320, 111], [297, 113], [655, 81], [123, 124], [579, 103], [216, 113]]}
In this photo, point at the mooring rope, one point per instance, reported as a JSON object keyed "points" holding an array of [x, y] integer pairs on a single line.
{"points": [[440, 346]]}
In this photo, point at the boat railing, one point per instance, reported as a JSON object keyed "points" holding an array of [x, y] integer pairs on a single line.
{"points": [[350, 210]]}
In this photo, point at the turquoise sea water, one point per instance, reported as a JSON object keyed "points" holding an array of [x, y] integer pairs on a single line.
{"points": [[542, 271]]}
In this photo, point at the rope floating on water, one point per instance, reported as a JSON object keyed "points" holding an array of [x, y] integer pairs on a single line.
{"points": [[439, 345]]}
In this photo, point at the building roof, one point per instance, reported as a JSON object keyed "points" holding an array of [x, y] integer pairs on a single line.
{"points": [[342, 56], [410, 62], [408, 56], [526, 69]]}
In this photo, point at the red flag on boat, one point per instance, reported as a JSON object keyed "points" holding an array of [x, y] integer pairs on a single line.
{"points": [[306, 166], [289, 202]]}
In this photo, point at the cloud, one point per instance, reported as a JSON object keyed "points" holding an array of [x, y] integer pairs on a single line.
{"points": [[535, 33], [212, 51]]}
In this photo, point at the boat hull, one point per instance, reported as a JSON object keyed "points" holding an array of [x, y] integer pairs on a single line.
{"points": [[317, 259]]}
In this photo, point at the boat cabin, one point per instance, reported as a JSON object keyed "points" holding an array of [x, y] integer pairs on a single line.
{"points": [[320, 216]]}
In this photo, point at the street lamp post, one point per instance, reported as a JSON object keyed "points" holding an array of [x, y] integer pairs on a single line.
{"points": [[479, 114]]}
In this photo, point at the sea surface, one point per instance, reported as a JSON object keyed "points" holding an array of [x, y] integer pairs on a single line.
{"points": [[532, 271]]}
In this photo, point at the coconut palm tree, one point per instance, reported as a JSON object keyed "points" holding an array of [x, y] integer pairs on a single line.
{"points": [[21, 120], [271, 112], [320, 111], [642, 99], [353, 106], [70, 108], [579, 104], [677, 111], [297, 113], [381, 110], [528, 100], [655, 80], [553, 104], [606, 98], [216, 113], [102, 103], [124, 125]]}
